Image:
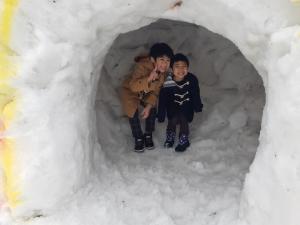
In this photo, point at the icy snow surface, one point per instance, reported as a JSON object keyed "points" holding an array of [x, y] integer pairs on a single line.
{"points": [[65, 178], [161, 187], [203, 185]]}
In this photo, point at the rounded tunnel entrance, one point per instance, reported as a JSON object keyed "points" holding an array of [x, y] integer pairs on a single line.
{"points": [[206, 181]]}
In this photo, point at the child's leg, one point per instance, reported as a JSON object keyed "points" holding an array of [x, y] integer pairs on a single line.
{"points": [[171, 127], [171, 132], [150, 127], [135, 125], [137, 132], [183, 134], [150, 121], [183, 126]]}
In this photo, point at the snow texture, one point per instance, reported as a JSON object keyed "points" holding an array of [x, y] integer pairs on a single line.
{"points": [[74, 157]]}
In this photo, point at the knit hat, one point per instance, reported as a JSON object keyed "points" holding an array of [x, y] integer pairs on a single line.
{"points": [[169, 82]]}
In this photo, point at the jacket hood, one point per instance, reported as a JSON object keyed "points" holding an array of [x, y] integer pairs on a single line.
{"points": [[143, 57]]}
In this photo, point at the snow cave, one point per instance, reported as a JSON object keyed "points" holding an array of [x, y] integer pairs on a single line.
{"points": [[66, 153]]}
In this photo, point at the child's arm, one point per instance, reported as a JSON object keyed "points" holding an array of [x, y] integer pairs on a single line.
{"points": [[155, 88], [161, 114], [138, 82], [141, 79], [197, 103], [146, 111]]}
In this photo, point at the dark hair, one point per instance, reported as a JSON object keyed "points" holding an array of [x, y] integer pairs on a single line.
{"points": [[161, 49], [180, 57]]}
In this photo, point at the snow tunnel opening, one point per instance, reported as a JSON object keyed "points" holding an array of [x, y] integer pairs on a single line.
{"points": [[231, 88], [224, 137]]}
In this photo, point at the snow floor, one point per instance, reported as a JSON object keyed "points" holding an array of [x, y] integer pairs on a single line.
{"points": [[160, 187]]}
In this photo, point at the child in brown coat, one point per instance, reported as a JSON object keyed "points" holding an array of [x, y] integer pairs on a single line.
{"points": [[142, 88]]}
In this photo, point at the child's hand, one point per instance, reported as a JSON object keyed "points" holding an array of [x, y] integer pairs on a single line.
{"points": [[153, 75], [146, 111]]}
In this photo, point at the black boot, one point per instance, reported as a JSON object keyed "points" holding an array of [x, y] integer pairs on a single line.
{"points": [[183, 143], [170, 138], [139, 144], [148, 141]]}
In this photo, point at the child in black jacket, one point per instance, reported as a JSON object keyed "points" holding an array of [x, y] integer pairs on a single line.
{"points": [[179, 99]]}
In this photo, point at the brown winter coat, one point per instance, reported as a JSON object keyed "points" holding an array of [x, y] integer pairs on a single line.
{"points": [[136, 89]]}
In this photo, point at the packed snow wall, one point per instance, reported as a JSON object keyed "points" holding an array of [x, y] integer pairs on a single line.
{"points": [[51, 56]]}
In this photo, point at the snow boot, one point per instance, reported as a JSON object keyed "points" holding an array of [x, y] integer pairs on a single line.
{"points": [[183, 143], [148, 141], [139, 144], [170, 138]]}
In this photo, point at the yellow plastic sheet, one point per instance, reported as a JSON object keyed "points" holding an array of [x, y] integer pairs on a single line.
{"points": [[7, 104]]}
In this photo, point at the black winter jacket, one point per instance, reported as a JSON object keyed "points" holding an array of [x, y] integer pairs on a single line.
{"points": [[184, 98]]}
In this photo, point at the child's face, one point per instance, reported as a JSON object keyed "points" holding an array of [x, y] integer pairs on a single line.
{"points": [[162, 63], [180, 70]]}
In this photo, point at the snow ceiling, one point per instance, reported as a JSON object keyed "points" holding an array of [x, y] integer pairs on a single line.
{"points": [[51, 56]]}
